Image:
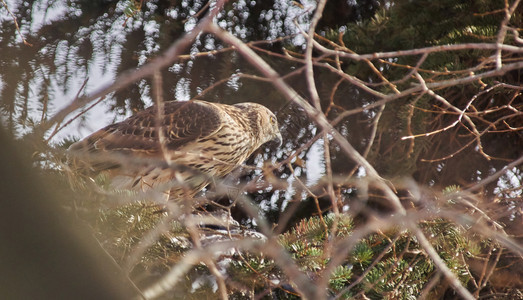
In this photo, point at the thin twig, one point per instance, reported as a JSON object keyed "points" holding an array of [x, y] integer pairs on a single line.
{"points": [[16, 25], [433, 49], [58, 129]]}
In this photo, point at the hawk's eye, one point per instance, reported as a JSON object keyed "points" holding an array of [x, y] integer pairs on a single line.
{"points": [[273, 120]]}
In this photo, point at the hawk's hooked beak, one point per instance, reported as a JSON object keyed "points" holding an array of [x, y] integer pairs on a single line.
{"points": [[277, 139]]}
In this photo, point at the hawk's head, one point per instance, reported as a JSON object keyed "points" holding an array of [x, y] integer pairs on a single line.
{"points": [[263, 121]]}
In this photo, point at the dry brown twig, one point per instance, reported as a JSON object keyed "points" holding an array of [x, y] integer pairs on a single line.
{"points": [[16, 25]]}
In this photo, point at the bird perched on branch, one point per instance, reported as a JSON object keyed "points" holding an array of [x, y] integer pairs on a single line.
{"points": [[179, 149]]}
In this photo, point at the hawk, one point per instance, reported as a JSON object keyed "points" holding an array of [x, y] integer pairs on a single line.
{"points": [[198, 141]]}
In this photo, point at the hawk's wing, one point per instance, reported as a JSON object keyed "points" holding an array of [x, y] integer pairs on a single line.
{"points": [[183, 123]]}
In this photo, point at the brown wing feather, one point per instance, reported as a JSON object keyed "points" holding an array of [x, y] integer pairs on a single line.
{"points": [[183, 122], [188, 121]]}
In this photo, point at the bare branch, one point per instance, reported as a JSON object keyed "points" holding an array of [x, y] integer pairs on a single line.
{"points": [[433, 49], [318, 117], [495, 176], [509, 11]]}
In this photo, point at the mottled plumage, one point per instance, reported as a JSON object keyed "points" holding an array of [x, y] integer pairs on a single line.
{"points": [[201, 140]]}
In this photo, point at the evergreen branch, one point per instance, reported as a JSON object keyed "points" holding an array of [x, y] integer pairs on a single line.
{"points": [[447, 273], [191, 258], [369, 268], [131, 76]]}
